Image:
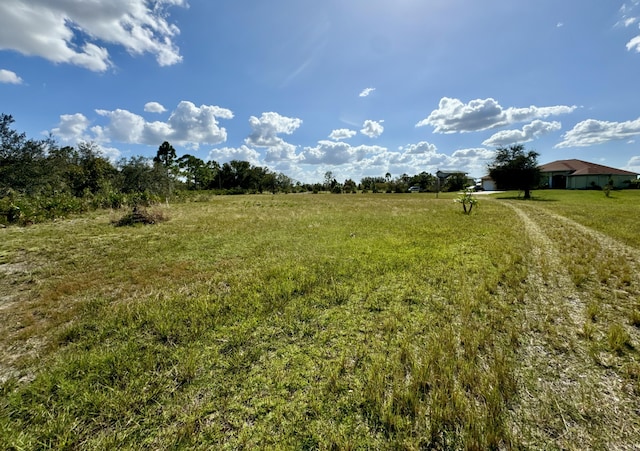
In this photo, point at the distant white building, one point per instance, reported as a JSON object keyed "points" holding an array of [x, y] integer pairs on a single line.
{"points": [[488, 184]]}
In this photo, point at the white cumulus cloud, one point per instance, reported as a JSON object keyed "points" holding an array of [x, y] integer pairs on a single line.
{"points": [[634, 164], [268, 126], [528, 133], [78, 31], [372, 129], [191, 124], [7, 76], [72, 128], [342, 133], [473, 161], [420, 148], [591, 132], [154, 107], [454, 116], [242, 153], [338, 153], [265, 131], [110, 153], [188, 125]]}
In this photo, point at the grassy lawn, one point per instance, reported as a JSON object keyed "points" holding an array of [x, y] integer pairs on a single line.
{"points": [[616, 215], [368, 321]]}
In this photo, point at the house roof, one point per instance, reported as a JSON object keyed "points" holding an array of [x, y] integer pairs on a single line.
{"points": [[445, 174], [579, 167]]}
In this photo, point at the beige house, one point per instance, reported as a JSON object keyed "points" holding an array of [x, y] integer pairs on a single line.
{"points": [[578, 174]]}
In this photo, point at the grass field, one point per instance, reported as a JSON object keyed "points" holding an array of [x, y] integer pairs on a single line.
{"points": [[365, 321]]}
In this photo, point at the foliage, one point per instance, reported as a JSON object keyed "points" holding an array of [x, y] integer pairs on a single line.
{"points": [[22, 161], [373, 184], [468, 200], [514, 168], [455, 182], [166, 155], [608, 187], [41, 181], [349, 186]]}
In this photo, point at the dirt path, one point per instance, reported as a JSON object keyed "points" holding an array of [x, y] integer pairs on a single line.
{"points": [[577, 392]]}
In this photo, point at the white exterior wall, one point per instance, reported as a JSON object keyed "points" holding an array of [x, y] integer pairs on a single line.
{"points": [[489, 185]]}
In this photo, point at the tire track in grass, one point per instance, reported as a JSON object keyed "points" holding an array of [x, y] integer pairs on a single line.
{"points": [[567, 399]]}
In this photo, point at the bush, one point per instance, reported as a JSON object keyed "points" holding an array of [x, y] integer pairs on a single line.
{"points": [[140, 215]]}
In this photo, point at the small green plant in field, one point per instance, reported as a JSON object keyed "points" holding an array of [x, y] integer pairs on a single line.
{"points": [[593, 311], [608, 187], [588, 329], [619, 339], [635, 318], [467, 200]]}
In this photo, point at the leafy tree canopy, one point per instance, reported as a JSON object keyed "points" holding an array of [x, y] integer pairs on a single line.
{"points": [[515, 168], [166, 155]]}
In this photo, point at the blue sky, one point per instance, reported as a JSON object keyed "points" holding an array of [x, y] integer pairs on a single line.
{"points": [[356, 87]]}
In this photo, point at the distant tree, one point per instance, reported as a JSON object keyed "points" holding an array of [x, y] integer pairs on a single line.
{"points": [[242, 174], [166, 155], [515, 168], [372, 183], [215, 182], [21, 160], [284, 183], [328, 178], [138, 174], [349, 186], [269, 182], [426, 181], [97, 172], [455, 182], [195, 172]]}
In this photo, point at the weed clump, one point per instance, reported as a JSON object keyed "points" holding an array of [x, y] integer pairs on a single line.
{"points": [[619, 339], [140, 215]]}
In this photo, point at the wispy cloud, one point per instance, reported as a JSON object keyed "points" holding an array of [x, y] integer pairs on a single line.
{"points": [[365, 92], [630, 15]]}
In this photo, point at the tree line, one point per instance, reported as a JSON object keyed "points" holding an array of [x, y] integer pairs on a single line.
{"points": [[40, 180]]}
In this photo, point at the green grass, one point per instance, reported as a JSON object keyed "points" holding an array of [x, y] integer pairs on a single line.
{"points": [[616, 215], [370, 321]]}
